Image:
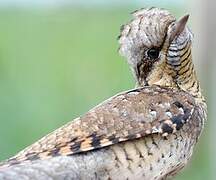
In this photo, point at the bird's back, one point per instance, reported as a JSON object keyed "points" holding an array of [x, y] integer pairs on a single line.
{"points": [[144, 133]]}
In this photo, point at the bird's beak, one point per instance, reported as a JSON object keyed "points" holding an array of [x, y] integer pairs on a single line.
{"points": [[178, 27]]}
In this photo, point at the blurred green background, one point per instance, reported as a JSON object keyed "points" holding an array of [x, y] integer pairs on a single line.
{"points": [[58, 62]]}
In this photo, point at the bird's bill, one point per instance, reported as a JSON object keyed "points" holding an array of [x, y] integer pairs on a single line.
{"points": [[178, 27]]}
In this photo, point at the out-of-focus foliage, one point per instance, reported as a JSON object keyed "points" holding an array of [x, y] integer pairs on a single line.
{"points": [[57, 64]]}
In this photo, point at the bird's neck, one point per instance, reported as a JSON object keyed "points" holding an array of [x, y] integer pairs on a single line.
{"points": [[179, 76], [185, 75]]}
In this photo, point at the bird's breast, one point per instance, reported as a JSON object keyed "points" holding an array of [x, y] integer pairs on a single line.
{"points": [[152, 157]]}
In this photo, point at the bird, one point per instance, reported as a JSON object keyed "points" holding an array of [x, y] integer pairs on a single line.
{"points": [[148, 132]]}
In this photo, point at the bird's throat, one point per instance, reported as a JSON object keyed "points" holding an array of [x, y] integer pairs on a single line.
{"points": [[181, 76]]}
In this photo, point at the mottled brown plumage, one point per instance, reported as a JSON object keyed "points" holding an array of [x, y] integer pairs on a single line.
{"points": [[148, 132]]}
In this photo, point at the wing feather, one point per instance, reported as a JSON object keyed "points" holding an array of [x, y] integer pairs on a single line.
{"points": [[127, 116]]}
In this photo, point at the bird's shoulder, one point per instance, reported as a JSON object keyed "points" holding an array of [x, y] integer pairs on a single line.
{"points": [[129, 115]]}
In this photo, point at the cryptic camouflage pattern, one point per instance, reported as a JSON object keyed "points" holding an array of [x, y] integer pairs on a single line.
{"points": [[145, 133]]}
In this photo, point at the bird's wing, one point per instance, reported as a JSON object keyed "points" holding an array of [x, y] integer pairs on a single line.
{"points": [[130, 115]]}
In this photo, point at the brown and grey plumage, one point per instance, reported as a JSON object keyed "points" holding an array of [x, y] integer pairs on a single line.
{"points": [[146, 133]]}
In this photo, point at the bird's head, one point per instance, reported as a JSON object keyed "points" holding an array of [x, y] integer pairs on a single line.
{"points": [[158, 49]]}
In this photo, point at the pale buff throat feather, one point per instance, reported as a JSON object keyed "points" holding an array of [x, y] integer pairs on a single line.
{"points": [[145, 133]]}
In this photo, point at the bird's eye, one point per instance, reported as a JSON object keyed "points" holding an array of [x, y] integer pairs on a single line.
{"points": [[153, 53]]}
